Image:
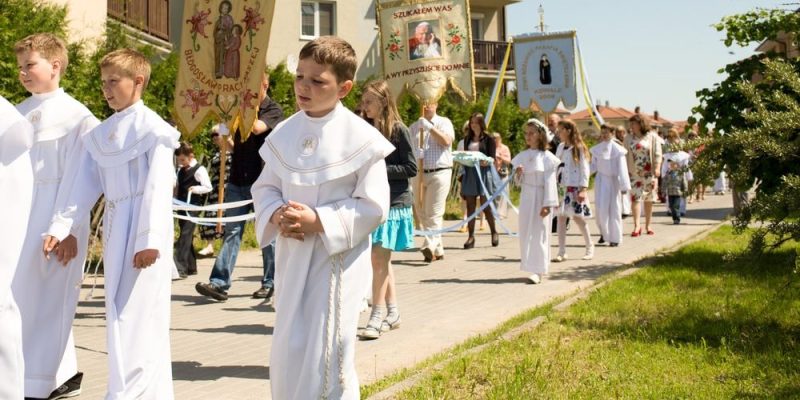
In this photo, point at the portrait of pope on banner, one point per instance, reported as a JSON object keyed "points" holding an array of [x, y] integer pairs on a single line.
{"points": [[423, 41]]}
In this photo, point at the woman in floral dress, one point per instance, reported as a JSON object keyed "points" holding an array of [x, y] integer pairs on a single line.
{"points": [[644, 165]]}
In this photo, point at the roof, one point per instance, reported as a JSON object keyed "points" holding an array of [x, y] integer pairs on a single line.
{"points": [[605, 112]]}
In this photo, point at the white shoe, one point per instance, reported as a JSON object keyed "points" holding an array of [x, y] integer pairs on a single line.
{"points": [[589, 253], [207, 251], [535, 279], [560, 258]]}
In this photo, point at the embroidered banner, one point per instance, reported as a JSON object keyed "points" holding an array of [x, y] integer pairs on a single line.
{"points": [[545, 67], [425, 44], [222, 57]]}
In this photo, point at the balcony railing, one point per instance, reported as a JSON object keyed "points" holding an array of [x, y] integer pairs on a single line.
{"points": [[489, 55], [150, 16]]}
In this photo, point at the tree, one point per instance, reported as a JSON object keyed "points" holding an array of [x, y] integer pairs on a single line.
{"points": [[755, 115]]}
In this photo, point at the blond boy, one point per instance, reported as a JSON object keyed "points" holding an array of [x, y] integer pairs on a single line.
{"points": [[322, 191], [47, 290], [128, 158]]}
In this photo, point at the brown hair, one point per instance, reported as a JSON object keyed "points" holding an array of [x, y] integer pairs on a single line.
{"points": [[185, 149], [130, 62], [644, 124], [389, 115], [469, 133], [50, 47], [330, 50], [576, 140], [673, 135], [541, 137]]}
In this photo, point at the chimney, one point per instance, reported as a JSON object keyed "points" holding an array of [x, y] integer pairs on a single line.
{"points": [[655, 115], [608, 104]]}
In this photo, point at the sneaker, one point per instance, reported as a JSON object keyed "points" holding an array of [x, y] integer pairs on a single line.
{"points": [[535, 279], [263, 293], [560, 258], [207, 251], [209, 290], [589, 253], [70, 388]]}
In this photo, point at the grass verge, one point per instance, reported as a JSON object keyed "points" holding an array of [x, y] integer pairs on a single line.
{"points": [[695, 324]]}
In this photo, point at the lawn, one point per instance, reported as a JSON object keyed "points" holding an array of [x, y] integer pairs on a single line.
{"points": [[697, 324]]}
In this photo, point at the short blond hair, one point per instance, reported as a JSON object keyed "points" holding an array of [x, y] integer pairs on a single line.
{"points": [[130, 62], [50, 47], [333, 51]]}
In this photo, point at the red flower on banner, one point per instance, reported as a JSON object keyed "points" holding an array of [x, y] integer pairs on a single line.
{"points": [[394, 46], [195, 98], [456, 39], [199, 21], [454, 35], [247, 99], [251, 21]]}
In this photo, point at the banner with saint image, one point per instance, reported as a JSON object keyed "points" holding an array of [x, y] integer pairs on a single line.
{"points": [[545, 68], [222, 58], [425, 44]]}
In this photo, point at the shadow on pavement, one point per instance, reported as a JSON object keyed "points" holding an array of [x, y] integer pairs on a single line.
{"points": [[249, 329], [477, 281], [194, 371]]}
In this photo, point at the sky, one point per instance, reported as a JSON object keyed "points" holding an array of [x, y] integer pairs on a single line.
{"points": [[655, 54]]}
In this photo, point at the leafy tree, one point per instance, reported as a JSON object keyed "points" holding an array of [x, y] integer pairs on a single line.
{"points": [[755, 116]]}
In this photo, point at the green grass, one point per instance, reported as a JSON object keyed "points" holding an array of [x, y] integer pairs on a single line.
{"points": [[695, 324]]}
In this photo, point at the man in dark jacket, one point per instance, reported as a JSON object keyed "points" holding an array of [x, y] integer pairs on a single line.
{"points": [[246, 165]]}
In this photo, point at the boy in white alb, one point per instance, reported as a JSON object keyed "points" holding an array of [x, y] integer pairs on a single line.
{"points": [[608, 161], [16, 192], [128, 158], [324, 189], [46, 291]]}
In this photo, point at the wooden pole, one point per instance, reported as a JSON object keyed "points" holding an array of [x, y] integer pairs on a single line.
{"points": [[223, 159], [420, 173]]}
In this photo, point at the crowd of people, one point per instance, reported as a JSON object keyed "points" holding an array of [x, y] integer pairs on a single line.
{"points": [[338, 208]]}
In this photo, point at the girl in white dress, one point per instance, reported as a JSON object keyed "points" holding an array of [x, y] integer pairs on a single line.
{"points": [[535, 172], [608, 161], [574, 182]]}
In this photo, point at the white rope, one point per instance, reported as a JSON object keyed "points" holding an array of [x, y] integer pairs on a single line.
{"points": [[178, 205], [214, 220]]}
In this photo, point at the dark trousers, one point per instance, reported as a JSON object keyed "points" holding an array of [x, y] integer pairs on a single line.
{"points": [[185, 257], [675, 207]]}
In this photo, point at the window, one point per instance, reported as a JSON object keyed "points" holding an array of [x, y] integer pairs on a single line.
{"points": [[317, 19], [476, 20]]}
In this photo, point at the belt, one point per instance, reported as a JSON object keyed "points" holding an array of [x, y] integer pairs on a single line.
{"points": [[428, 171]]}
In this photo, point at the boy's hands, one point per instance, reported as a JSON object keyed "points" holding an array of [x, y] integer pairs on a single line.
{"points": [[145, 258], [50, 244], [545, 211], [296, 219], [67, 250]]}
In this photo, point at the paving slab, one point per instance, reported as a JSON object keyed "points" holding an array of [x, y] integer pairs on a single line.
{"points": [[221, 350]]}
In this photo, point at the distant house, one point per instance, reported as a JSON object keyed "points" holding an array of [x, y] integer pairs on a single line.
{"points": [[619, 116]]}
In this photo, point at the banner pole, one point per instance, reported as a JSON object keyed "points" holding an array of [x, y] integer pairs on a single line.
{"points": [[420, 171], [497, 85], [223, 159]]}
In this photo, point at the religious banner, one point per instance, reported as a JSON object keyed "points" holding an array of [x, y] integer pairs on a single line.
{"points": [[222, 57], [426, 44], [545, 67]]}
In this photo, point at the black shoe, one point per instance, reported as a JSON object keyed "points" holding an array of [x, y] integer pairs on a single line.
{"points": [[601, 241], [495, 240], [263, 293], [212, 291], [428, 254], [470, 243], [612, 244], [676, 222], [70, 388]]}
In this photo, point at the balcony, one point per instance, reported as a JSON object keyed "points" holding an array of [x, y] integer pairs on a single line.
{"points": [[488, 55], [149, 16]]}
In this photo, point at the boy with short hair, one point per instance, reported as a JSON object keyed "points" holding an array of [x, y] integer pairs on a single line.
{"points": [[324, 189], [16, 192], [676, 185], [128, 158], [193, 182], [46, 292]]}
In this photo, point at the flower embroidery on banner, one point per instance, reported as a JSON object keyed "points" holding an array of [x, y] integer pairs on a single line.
{"points": [[247, 100], [199, 21], [194, 99], [251, 20], [454, 37], [394, 46]]}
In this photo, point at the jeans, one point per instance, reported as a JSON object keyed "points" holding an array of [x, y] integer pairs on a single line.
{"points": [[675, 208], [223, 266]]}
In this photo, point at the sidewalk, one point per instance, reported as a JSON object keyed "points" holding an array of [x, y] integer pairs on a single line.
{"points": [[221, 350]]}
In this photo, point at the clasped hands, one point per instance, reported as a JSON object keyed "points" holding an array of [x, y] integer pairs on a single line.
{"points": [[67, 249], [295, 220]]}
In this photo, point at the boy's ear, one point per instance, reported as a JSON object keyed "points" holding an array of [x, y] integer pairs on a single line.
{"points": [[138, 80], [345, 88], [57, 66]]}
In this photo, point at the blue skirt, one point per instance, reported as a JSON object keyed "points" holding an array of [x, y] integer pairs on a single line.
{"points": [[397, 233]]}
